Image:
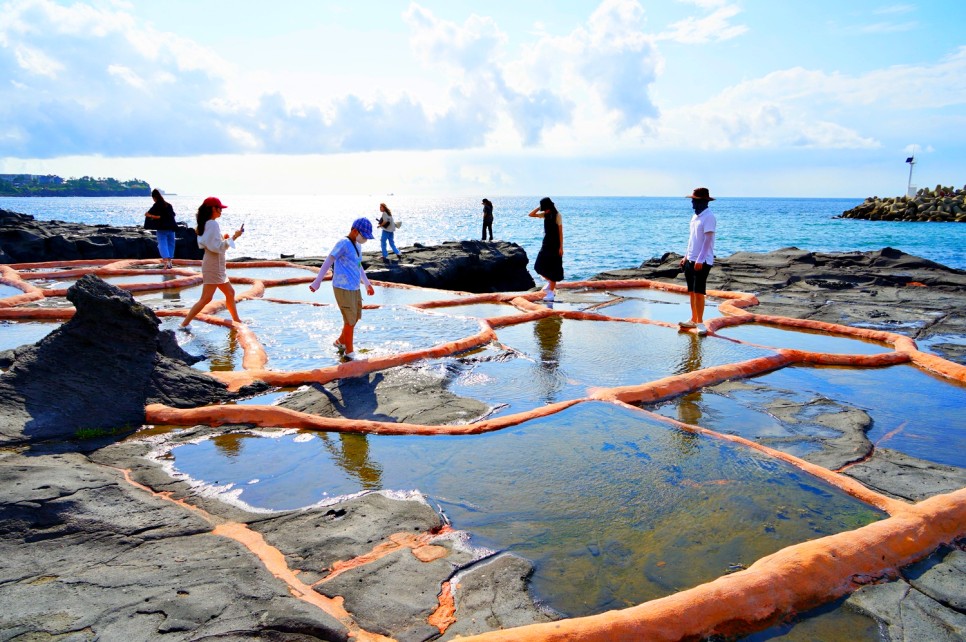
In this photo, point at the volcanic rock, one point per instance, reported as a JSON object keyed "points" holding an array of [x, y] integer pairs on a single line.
{"points": [[24, 240], [97, 371], [469, 266]]}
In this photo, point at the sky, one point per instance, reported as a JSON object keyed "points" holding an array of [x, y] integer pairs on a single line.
{"points": [[823, 98]]}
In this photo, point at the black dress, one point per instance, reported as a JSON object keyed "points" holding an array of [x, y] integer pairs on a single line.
{"points": [[549, 263]]}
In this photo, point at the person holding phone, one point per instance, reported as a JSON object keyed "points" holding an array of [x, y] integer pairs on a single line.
{"points": [[215, 244]]}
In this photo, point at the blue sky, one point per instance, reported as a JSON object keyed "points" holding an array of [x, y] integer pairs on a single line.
{"points": [[613, 97]]}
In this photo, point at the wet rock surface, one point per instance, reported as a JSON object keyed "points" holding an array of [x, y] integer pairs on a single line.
{"points": [[25, 240], [886, 290], [87, 555], [402, 395], [97, 371], [926, 603], [469, 266]]}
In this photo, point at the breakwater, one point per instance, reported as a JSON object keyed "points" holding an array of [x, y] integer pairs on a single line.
{"points": [[938, 205]]}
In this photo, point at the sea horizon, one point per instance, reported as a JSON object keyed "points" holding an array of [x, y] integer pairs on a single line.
{"points": [[601, 233]]}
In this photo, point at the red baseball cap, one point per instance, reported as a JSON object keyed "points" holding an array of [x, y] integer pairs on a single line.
{"points": [[211, 201]]}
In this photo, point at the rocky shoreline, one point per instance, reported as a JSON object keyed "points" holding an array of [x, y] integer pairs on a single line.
{"points": [[98, 542], [939, 205]]}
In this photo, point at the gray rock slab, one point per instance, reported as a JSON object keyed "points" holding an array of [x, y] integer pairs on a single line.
{"points": [[396, 594], [492, 595], [398, 395], [87, 554], [313, 540], [942, 577], [908, 615], [899, 475]]}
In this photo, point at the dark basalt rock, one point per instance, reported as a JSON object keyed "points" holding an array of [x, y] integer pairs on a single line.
{"points": [[470, 266], [98, 371], [25, 240]]}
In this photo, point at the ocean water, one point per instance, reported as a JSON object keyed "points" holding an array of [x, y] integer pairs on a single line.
{"points": [[600, 233]]}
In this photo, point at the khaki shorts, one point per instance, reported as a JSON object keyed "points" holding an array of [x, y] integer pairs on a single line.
{"points": [[350, 303]]}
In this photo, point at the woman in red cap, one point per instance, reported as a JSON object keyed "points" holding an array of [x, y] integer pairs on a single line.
{"points": [[215, 244]]}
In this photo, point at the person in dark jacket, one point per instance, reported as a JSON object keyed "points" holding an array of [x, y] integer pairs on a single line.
{"points": [[162, 216]]}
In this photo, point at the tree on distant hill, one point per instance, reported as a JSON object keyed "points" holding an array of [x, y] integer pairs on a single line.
{"points": [[30, 185]]}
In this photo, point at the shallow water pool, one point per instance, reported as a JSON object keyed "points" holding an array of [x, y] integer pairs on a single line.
{"points": [[800, 339], [555, 359], [270, 273], [656, 305], [219, 345], [613, 507], [7, 291], [299, 337], [382, 296], [14, 334]]}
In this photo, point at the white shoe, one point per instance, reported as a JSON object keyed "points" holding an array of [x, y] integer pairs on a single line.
{"points": [[701, 330], [686, 324], [550, 296]]}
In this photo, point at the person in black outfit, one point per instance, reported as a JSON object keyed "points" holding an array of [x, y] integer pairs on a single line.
{"points": [[487, 218], [549, 263], [161, 218]]}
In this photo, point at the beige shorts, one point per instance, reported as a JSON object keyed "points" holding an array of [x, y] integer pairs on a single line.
{"points": [[350, 303]]}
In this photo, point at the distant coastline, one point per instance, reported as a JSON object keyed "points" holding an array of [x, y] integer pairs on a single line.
{"points": [[29, 185]]}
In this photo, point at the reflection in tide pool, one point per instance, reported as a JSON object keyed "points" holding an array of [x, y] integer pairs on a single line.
{"points": [[799, 339], [299, 337], [656, 305], [555, 359], [219, 345], [14, 334], [613, 507]]}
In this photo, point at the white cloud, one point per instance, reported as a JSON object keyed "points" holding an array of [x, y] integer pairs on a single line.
{"points": [[37, 62], [715, 27]]}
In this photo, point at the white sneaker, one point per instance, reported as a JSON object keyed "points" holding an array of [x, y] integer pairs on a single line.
{"points": [[549, 296], [686, 324], [701, 330]]}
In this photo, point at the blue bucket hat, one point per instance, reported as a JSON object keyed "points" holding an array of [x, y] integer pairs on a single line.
{"points": [[363, 226]]}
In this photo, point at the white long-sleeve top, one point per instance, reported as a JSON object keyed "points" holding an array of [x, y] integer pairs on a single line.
{"points": [[213, 240]]}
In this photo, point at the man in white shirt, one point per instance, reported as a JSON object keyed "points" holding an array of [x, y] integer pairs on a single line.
{"points": [[699, 257]]}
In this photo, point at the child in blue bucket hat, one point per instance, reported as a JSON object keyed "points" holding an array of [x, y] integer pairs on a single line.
{"points": [[345, 259]]}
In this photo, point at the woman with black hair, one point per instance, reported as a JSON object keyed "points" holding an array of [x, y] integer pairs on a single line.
{"points": [[549, 263], [161, 218], [215, 244]]}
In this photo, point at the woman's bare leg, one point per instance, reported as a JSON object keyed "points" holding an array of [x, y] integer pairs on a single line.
{"points": [[207, 292], [230, 300]]}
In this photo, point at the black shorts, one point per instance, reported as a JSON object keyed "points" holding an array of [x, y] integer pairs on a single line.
{"points": [[697, 280]]}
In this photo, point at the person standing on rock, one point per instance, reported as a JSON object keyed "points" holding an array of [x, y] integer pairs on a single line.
{"points": [[213, 273], [487, 218], [161, 215], [345, 259], [699, 257], [549, 263], [388, 225]]}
